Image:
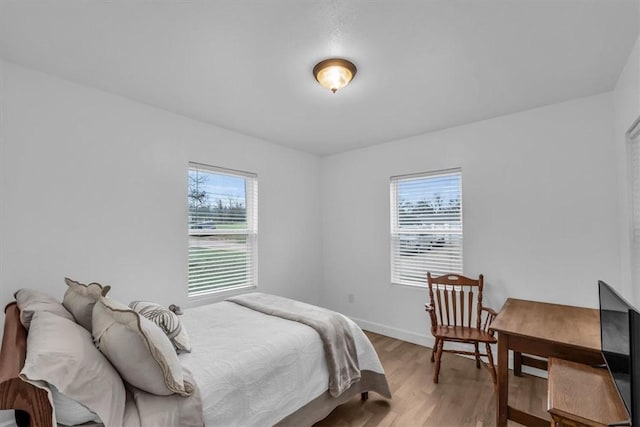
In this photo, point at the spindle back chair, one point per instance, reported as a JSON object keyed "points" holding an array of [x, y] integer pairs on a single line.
{"points": [[457, 315]]}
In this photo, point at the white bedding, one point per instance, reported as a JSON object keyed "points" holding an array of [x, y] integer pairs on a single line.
{"points": [[254, 369]]}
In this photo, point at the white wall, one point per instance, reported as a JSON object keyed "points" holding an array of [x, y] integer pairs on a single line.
{"points": [[626, 111], [93, 186], [540, 212]]}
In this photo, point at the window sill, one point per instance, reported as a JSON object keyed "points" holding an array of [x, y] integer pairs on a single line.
{"points": [[217, 296], [406, 285]]}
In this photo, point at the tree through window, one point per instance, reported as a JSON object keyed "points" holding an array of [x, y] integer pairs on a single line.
{"points": [[223, 229]]}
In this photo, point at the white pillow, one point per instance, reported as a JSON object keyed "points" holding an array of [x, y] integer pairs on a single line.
{"points": [[167, 320], [79, 299], [139, 349], [70, 412], [61, 353], [30, 301]]}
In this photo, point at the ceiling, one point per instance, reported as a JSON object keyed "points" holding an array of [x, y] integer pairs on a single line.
{"points": [[246, 65]]}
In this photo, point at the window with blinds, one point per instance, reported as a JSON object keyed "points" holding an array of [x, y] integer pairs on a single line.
{"points": [[223, 229], [426, 226]]}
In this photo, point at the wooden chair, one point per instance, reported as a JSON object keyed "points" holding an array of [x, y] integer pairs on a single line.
{"points": [[454, 318]]}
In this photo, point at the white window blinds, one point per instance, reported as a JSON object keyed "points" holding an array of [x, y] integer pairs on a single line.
{"points": [[426, 226], [223, 229]]}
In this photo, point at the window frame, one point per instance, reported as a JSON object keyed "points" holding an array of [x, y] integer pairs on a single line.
{"points": [[250, 231], [396, 230]]}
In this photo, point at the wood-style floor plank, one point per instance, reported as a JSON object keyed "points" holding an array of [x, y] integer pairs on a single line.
{"points": [[464, 397]]}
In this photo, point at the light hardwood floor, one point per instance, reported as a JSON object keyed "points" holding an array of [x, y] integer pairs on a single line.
{"points": [[464, 397]]}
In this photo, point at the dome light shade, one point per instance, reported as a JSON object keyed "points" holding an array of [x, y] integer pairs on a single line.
{"points": [[334, 73]]}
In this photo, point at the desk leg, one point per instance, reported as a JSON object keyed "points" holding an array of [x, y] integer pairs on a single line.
{"points": [[503, 380], [517, 363]]}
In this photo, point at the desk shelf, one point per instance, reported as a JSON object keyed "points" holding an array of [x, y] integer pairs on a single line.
{"points": [[580, 395]]}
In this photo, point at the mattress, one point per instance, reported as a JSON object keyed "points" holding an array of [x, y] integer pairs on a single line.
{"points": [[254, 369]]}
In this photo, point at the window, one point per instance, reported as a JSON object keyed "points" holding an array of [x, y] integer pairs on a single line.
{"points": [[223, 229], [426, 226]]}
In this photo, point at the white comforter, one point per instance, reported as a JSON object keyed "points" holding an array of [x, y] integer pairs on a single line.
{"points": [[254, 369]]}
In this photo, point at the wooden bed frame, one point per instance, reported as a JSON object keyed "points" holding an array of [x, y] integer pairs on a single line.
{"points": [[31, 404]]}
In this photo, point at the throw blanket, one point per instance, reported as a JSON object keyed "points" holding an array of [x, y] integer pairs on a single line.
{"points": [[337, 340]]}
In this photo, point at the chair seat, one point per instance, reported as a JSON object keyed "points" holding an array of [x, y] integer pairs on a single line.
{"points": [[463, 333]]}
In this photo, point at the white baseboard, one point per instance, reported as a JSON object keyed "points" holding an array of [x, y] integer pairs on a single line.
{"points": [[427, 341], [400, 334], [404, 335]]}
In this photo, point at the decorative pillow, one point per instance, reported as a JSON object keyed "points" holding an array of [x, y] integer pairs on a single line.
{"points": [[79, 299], [61, 353], [138, 349], [30, 301], [168, 322]]}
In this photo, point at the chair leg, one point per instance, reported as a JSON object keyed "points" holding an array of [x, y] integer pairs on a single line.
{"points": [[433, 350], [477, 354], [436, 372], [492, 367]]}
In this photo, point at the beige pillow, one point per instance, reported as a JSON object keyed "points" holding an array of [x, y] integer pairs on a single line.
{"points": [[167, 320], [79, 299], [61, 353], [138, 348], [30, 301]]}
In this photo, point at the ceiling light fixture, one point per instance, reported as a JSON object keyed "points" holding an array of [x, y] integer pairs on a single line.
{"points": [[334, 73]]}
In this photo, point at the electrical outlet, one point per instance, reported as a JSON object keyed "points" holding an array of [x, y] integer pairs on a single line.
{"points": [[350, 298]]}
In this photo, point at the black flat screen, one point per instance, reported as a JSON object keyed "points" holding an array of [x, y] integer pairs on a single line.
{"points": [[615, 335]]}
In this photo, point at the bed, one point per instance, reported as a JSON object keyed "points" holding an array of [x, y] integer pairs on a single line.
{"points": [[251, 368]]}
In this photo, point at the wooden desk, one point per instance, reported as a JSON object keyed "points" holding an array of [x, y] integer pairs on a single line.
{"points": [[580, 395], [542, 329]]}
